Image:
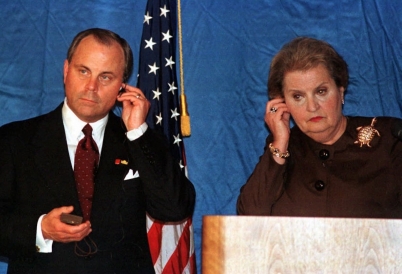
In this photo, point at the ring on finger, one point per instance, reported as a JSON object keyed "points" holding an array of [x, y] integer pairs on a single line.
{"points": [[273, 109], [138, 96]]}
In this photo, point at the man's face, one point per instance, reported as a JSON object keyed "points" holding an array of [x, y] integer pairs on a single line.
{"points": [[93, 78]]}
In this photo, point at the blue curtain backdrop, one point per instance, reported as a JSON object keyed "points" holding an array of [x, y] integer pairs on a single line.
{"points": [[228, 46]]}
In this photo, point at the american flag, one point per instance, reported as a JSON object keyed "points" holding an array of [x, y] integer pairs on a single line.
{"points": [[172, 245]]}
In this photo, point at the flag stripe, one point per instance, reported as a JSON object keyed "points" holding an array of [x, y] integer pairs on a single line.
{"points": [[179, 259], [154, 238]]}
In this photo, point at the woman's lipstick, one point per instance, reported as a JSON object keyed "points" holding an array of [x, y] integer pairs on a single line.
{"points": [[316, 119]]}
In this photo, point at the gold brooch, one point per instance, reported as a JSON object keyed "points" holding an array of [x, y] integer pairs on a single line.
{"points": [[366, 134]]}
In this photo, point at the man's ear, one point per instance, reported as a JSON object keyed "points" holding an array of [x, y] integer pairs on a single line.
{"points": [[65, 70]]}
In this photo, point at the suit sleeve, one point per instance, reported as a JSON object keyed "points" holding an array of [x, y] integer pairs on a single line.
{"points": [[263, 187], [169, 194], [17, 229]]}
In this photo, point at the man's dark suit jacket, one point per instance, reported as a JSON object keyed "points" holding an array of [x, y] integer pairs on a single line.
{"points": [[36, 176]]}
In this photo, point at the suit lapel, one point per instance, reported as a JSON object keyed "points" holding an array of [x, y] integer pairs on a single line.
{"points": [[111, 173], [53, 161]]}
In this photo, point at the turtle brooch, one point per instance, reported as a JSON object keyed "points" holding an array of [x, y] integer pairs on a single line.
{"points": [[366, 133]]}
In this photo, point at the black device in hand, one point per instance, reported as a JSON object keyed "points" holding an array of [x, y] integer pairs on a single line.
{"points": [[70, 219]]}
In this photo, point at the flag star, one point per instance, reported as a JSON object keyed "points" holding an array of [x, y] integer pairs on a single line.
{"points": [[174, 114], [156, 94], [177, 139], [159, 118], [164, 11], [181, 164], [166, 36], [153, 68], [147, 18], [150, 44], [172, 87], [169, 62]]}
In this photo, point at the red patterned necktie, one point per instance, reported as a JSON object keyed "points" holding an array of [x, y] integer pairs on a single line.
{"points": [[85, 165]]}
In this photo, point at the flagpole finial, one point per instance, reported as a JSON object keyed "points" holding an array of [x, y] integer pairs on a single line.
{"points": [[184, 117]]}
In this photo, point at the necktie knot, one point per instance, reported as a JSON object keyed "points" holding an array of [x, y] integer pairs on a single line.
{"points": [[88, 142], [87, 130]]}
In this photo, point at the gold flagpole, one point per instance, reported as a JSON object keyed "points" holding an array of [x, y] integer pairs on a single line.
{"points": [[184, 115]]}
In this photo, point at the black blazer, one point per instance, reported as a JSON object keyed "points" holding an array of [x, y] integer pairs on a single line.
{"points": [[36, 176]]}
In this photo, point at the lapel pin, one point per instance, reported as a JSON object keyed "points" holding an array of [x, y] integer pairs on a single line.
{"points": [[122, 162]]}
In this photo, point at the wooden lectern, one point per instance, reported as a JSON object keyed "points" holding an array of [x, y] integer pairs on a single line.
{"points": [[250, 244]]}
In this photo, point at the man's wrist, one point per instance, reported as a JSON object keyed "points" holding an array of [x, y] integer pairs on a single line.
{"points": [[42, 245], [137, 132]]}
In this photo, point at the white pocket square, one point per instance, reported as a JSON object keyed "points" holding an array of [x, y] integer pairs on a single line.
{"points": [[132, 175]]}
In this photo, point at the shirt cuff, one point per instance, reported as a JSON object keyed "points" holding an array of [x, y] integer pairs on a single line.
{"points": [[137, 132], [42, 245]]}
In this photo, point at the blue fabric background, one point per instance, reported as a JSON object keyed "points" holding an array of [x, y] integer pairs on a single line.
{"points": [[228, 46]]}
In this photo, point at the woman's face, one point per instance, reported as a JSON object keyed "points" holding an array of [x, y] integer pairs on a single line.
{"points": [[315, 103]]}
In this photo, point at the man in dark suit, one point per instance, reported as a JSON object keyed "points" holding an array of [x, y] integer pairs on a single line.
{"points": [[135, 172]]}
